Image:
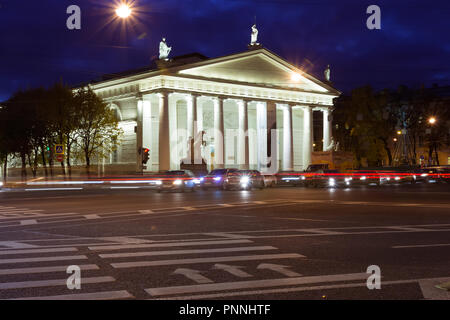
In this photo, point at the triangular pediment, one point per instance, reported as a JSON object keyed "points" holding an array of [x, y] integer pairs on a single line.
{"points": [[259, 67]]}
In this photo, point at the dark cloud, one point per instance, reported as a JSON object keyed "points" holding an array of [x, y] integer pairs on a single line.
{"points": [[412, 48]]}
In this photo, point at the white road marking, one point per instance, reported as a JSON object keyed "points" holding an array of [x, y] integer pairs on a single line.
{"points": [[54, 189], [133, 264], [92, 216], [180, 252], [278, 268], [27, 222], [226, 205], [49, 250], [51, 283], [126, 240], [234, 270], [225, 286], [106, 295], [171, 244], [16, 245], [422, 246], [84, 267], [41, 259], [193, 275], [227, 235], [146, 211]]}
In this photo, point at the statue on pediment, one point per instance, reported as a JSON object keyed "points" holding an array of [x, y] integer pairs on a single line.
{"points": [[327, 73], [254, 37], [164, 50]]}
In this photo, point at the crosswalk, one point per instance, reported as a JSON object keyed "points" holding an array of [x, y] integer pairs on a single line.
{"points": [[19, 218], [167, 267], [45, 270]]}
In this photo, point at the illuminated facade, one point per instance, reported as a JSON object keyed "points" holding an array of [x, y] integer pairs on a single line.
{"points": [[247, 110]]}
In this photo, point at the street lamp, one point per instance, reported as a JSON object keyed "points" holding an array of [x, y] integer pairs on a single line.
{"points": [[123, 11], [432, 120]]}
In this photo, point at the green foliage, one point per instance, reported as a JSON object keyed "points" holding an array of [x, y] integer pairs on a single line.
{"points": [[33, 121]]}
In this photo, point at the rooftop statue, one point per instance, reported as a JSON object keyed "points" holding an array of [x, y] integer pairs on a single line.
{"points": [[164, 50], [327, 73], [254, 40]]}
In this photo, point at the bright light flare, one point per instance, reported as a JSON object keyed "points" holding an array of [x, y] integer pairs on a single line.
{"points": [[296, 77], [123, 11], [432, 120]]}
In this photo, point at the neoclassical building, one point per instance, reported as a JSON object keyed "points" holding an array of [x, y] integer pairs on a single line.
{"points": [[251, 109]]}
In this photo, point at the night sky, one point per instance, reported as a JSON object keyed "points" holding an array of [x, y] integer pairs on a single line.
{"points": [[412, 48]]}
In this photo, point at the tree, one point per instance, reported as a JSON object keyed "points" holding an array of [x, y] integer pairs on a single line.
{"points": [[64, 120], [98, 131]]}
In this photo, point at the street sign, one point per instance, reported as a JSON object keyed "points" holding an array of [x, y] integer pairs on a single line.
{"points": [[59, 149], [60, 157]]}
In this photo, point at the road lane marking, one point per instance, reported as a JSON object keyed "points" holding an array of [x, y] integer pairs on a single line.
{"points": [[278, 268], [16, 245], [234, 270], [170, 244], [51, 283], [193, 275], [430, 290], [25, 251], [126, 240], [180, 252], [92, 216], [84, 267], [105, 295], [27, 222], [227, 235], [41, 259], [225, 286], [146, 211], [133, 264], [422, 246]]}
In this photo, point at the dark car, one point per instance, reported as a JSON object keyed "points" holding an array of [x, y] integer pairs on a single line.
{"points": [[243, 179], [215, 178], [365, 177], [177, 180], [328, 179], [438, 174], [290, 178]]}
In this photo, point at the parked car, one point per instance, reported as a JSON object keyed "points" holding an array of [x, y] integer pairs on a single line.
{"points": [[290, 178], [177, 180], [243, 180], [215, 178]]}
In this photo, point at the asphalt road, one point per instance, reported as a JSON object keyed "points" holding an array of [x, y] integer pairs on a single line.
{"points": [[278, 243]]}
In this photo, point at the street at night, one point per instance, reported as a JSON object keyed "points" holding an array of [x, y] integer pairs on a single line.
{"points": [[276, 243], [225, 159]]}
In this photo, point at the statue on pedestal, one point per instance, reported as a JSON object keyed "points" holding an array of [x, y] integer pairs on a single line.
{"points": [[254, 37], [164, 50], [327, 73]]}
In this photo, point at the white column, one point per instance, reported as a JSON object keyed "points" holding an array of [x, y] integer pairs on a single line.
{"points": [[164, 132], [326, 128], [244, 158], [307, 136], [261, 127], [219, 146], [288, 146]]}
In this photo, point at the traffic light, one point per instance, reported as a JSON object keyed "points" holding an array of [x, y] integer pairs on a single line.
{"points": [[145, 155]]}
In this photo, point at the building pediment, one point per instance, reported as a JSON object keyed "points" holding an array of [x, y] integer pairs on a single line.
{"points": [[259, 67]]}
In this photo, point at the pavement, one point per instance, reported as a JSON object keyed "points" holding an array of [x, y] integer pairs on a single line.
{"points": [[276, 243]]}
